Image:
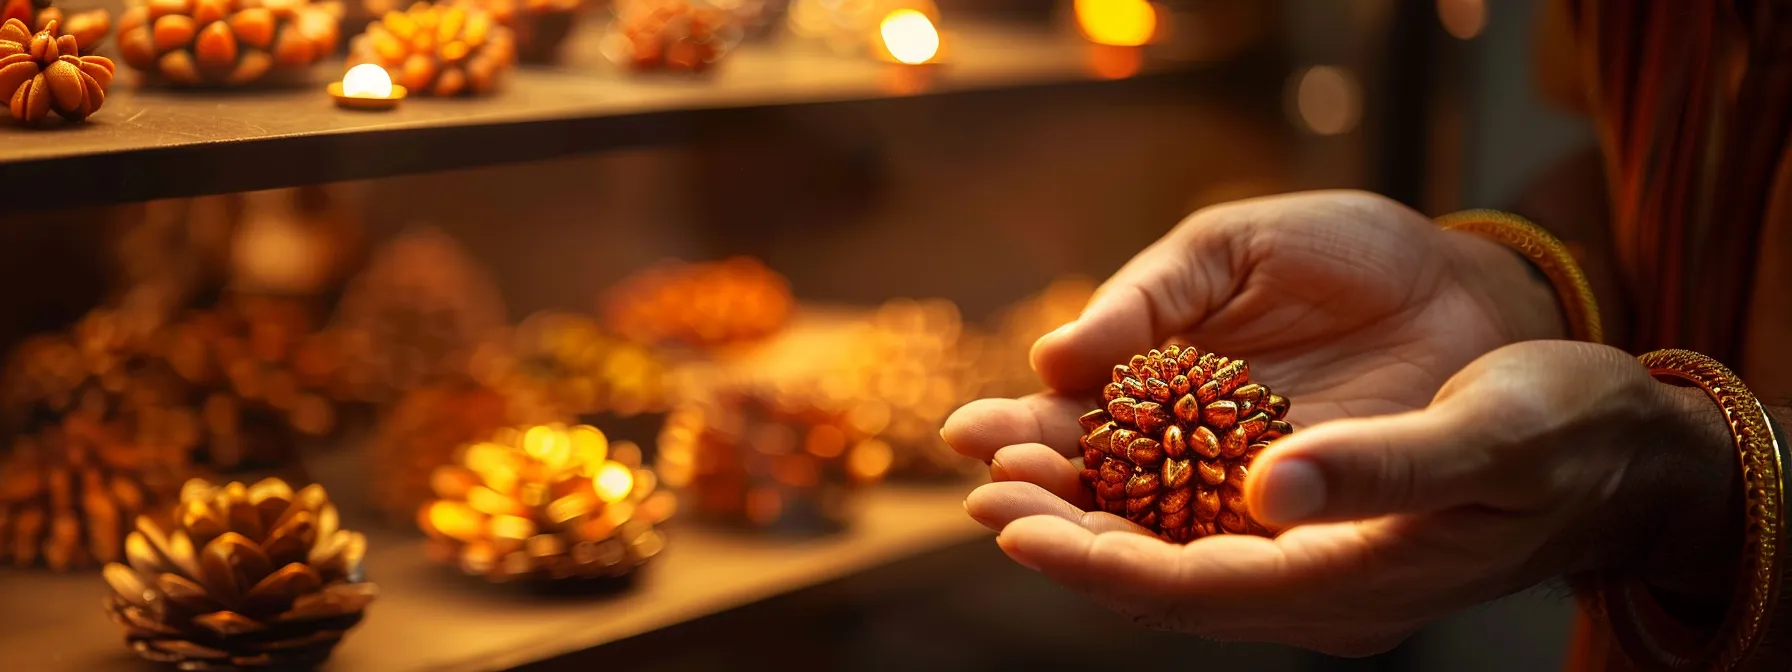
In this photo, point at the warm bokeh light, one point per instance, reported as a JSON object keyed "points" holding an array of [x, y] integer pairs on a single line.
{"points": [[613, 482], [1464, 19], [548, 444], [1327, 100], [367, 81], [910, 37], [870, 460], [1120, 23], [589, 445]]}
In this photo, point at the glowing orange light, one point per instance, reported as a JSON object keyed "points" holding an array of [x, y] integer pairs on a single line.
{"points": [[909, 37], [1120, 23]]}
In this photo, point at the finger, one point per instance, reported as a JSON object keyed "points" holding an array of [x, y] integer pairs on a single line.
{"points": [[1040, 465], [1353, 469], [982, 427], [1166, 289], [1074, 555], [995, 505]]}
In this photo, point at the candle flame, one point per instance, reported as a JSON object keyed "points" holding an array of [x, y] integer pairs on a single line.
{"points": [[909, 36], [1120, 23], [367, 81]]}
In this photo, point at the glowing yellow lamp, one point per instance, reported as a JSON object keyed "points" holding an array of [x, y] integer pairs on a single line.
{"points": [[367, 87], [1119, 23], [909, 37]]}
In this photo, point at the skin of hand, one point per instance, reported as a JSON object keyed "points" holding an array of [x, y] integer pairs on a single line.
{"points": [[1358, 310]]}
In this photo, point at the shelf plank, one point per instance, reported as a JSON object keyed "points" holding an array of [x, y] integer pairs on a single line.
{"points": [[150, 143], [428, 619]]}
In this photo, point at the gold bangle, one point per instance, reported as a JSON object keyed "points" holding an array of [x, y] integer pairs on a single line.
{"points": [[1579, 308], [1643, 630]]}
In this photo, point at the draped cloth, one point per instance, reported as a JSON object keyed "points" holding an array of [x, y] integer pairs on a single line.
{"points": [[1692, 102]]}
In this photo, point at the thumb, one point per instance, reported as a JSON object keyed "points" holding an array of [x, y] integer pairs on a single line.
{"points": [[1360, 468], [1167, 289]]}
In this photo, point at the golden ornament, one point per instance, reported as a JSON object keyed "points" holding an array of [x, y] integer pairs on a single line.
{"points": [[546, 502], [43, 73], [440, 50], [226, 42]]}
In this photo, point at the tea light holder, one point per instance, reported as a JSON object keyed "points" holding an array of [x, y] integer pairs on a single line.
{"points": [[367, 87]]}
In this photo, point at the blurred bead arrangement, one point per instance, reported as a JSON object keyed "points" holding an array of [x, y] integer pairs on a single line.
{"points": [[756, 409], [568, 364], [769, 459], [703, 305], [687, 36], [546, 502]]}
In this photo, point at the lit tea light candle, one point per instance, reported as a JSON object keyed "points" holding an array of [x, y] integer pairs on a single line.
{"points": [[909, 38], [367, 87]]}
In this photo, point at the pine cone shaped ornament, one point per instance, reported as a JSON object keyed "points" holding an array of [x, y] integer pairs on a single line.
{"points": [[226, 42], [43, 73], [243, 577], [448, 49], [1173, 446], [671, 35], [68, 493], [88, 28], [547, 502], [415, 317], [769, 458]]}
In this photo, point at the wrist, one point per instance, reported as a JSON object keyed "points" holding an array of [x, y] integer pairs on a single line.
{"points": [[1509, 287], [1694, 537]]}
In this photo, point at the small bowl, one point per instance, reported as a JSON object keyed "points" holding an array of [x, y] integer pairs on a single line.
{"points": [[366, 103]]}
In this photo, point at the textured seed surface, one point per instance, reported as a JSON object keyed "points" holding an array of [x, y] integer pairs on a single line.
{"points": [[1170, 448]]}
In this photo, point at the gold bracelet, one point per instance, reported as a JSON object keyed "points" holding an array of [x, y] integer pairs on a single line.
{"points": [[1643, 630], [1579, 308]]}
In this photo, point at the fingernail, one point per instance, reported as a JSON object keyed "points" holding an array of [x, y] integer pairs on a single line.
{"points": [[996, 472], [1011, 556], [1293, 490]]}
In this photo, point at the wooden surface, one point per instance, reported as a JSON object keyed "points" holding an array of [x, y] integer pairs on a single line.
{"points": [[429, 619], [149, 143]]}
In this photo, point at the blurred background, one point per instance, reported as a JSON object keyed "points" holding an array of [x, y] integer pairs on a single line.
{"points": [[981, 198]]}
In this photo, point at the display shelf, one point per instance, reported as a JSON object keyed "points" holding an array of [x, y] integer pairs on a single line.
{"points": [[152, 143], [428, 618]]}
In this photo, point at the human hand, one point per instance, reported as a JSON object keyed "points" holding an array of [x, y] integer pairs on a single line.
{"points": [[1346, 302], [1540, 459]]}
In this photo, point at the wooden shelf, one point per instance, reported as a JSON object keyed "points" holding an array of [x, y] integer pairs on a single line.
{"points": [[429, 619], [152, 143]]}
